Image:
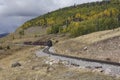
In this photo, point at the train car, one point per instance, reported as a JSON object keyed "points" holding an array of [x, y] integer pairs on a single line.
{"points": [[28, 43], [47, 43]]}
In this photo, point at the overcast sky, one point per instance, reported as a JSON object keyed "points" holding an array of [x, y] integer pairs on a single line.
{"points": [[14, 13]]}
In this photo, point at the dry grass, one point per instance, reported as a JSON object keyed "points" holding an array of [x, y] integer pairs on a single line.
{"points": [[75, 46], [34, 68], [21, 56], [29, 60], [29, 34], [26, 56], [98, 36]]}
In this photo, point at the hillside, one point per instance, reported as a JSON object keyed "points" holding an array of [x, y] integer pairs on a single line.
{"points": [[78, 19], [89, 30], [37, 68], [102, 45]]}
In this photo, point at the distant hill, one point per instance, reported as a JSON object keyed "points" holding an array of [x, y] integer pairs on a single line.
{"points": [[3, 35], [79, 19]]}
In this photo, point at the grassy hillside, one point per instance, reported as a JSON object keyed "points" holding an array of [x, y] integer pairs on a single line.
{"points": [[79, 19], [36, 68], [100, 45]]}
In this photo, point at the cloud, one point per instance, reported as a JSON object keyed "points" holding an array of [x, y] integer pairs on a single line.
{"points": [[14, 13]]}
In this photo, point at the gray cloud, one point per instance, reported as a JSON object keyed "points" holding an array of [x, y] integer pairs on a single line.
{"points": [[13, 13]]}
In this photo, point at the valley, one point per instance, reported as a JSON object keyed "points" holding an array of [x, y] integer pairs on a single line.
{"points": [[89, 30]]}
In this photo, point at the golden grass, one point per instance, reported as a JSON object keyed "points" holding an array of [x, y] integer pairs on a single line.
{"points": [[73, 46], [96, 36], [28, 60], [26, 56]]}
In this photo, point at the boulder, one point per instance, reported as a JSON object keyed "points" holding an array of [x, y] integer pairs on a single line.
{"points": [[37, 67], [50, 69], [85, 48], [108, 59], [65, 62], [98, 70], [108, 71], [16, 64], [49, 62]]}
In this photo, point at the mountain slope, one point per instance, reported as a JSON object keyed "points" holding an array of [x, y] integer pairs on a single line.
{"points": [[79, 19], [102, 45]]}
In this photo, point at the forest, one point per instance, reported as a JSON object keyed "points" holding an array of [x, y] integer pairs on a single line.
{"points": [[79, 19]]}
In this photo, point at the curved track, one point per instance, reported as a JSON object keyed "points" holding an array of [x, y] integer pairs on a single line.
{"points": [[46, 50], [111, 68]]}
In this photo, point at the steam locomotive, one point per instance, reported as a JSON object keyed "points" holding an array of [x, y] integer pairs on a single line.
{"points": [[46, 43]]}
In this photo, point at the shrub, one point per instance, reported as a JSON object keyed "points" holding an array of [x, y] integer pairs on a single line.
{"points": [[1, 47], [8, 47], [21, 32], [54, 29], [93, 25], [35, 35]]}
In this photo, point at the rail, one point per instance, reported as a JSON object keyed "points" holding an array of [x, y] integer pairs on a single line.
{"points": [[46, 50]]}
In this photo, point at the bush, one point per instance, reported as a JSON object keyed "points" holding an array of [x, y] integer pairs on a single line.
{"points": [[54, 29], [35, 35], [8, 47], [21, 32], [93, 25], [1, 47]]}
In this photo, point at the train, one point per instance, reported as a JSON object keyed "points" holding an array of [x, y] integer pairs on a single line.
{"points": [[45, 43]]}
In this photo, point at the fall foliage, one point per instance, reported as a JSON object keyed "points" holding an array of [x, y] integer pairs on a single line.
{"points": [[80, 19]]}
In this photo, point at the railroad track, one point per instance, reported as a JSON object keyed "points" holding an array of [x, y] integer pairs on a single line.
{"points": [[110, 68], [46, 50], [113, 68]]}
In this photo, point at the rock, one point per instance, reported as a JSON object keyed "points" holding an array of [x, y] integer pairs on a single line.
{"points": [[108, 59], [56, 61], [108, 71], [89, 67], [98, 67], [29, 61], [82, 67], [52, 49], [16, 64], [65, 62], [51, 63], [98, 70], [36, 67], [99, 48], [75, 64], [119, 45], [67, 51], [51, 60], [46, 62], [50, 69], [85, 48]]}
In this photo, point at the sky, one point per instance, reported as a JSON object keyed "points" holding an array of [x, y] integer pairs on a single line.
{"points": [[13, 13]]}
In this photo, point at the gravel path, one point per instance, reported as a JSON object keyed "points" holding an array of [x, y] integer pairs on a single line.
{"points": [[106, 68]]}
